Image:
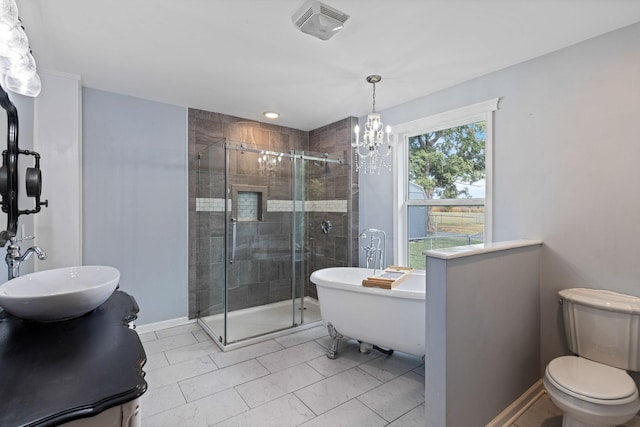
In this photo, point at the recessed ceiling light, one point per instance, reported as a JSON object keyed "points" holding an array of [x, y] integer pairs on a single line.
{"points": [[271, 115]]}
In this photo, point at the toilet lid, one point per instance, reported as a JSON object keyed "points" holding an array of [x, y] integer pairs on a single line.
{"points": [[591, 380]]}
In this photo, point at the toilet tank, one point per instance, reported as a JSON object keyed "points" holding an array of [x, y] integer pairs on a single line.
{"points": [[603, 326]]}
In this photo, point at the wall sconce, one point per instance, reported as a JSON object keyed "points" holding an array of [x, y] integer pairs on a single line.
{"points": [[17, 66]]}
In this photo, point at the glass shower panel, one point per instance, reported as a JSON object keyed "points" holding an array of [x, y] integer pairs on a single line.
{"points": [[211, 249]]}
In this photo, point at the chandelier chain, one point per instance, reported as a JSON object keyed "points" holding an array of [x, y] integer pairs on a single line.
{"points": [[374, 97]]}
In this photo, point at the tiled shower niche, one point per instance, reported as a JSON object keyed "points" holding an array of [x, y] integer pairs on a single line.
{"points": [[248, 203]]}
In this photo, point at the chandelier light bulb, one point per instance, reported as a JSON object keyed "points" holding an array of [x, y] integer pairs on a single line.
{"points": [[8, 13], [13, 41], [5, 64], [23, 68], [28, 87]]}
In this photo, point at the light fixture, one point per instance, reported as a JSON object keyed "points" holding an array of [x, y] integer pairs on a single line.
{"points": [[319, 20], [271, 115], [269, 162], [17, 66], [374, 150]]}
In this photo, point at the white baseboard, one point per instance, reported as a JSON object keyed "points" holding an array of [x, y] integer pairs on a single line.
{"points": [[518, 407], [171, 323]]}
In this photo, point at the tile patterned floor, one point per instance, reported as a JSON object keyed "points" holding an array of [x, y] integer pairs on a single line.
{"points": [[289, 381], [286, 381]]}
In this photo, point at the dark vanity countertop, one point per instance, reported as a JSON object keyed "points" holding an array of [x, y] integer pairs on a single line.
{"points": [[51, 373]]}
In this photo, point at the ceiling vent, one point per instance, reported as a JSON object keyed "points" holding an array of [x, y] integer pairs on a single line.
{"points": [[319, 20]]}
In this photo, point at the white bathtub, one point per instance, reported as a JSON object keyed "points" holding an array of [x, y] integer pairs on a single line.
{"points": [[389, 318]]}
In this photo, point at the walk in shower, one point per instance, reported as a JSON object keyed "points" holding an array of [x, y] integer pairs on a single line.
{"points": [[266, 220]]}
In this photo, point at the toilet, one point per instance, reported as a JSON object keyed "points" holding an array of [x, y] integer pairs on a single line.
{"points": [[593, 388]]}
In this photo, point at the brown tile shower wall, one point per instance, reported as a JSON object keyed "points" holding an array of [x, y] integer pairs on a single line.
{"points": [[265, 273], [339, 248]]}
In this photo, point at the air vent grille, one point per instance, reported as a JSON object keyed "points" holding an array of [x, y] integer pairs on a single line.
{"points": [[332, 13], [304, 17]]}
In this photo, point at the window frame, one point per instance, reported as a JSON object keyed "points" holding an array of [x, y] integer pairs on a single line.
{"points": [[482, 111]]}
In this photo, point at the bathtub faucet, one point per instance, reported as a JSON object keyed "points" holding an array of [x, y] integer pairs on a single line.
{"points": [[374, 252]]}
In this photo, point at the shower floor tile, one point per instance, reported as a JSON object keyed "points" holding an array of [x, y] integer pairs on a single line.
{"points": [[256, 321]]}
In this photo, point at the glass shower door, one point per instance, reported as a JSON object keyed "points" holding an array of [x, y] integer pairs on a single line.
{"points": [[299, 240], [259, 246]]}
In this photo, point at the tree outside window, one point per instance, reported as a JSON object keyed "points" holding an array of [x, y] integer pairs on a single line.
{"points": [[445, 201]]}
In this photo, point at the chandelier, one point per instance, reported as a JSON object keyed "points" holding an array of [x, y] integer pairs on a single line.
{"points": [[269, 162], [373, 152]]}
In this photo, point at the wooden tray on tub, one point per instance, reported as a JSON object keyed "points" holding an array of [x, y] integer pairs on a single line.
{"points": [[391, 277]]}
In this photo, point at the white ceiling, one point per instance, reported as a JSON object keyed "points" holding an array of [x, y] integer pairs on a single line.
{"points": [[244, 57]]}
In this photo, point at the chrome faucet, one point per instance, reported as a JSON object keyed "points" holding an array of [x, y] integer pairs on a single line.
{"points": [[374, 252], [14, 258]]}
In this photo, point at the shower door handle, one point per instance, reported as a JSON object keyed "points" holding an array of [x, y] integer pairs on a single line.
{"points": [[234, 223]]}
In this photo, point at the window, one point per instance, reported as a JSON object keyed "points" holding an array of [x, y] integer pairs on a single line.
{"points": [[442, 190]]}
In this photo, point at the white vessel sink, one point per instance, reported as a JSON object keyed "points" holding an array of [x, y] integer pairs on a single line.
{"points": [[58, 294]]}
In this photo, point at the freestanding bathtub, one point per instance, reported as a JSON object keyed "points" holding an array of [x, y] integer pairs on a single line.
{"points": [[389, 318]]}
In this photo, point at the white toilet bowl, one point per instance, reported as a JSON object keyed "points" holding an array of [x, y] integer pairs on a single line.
{"points": [[589, 393]]}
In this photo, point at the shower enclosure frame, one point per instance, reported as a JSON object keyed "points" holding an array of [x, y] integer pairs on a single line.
{"points": [[302, 247]]}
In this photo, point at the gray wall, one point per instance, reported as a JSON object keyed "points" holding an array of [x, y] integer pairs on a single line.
{"points": [[566, 165], [135, 198]]}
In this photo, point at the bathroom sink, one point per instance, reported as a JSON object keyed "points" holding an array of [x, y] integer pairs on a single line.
{"points": [[58, 294]]}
